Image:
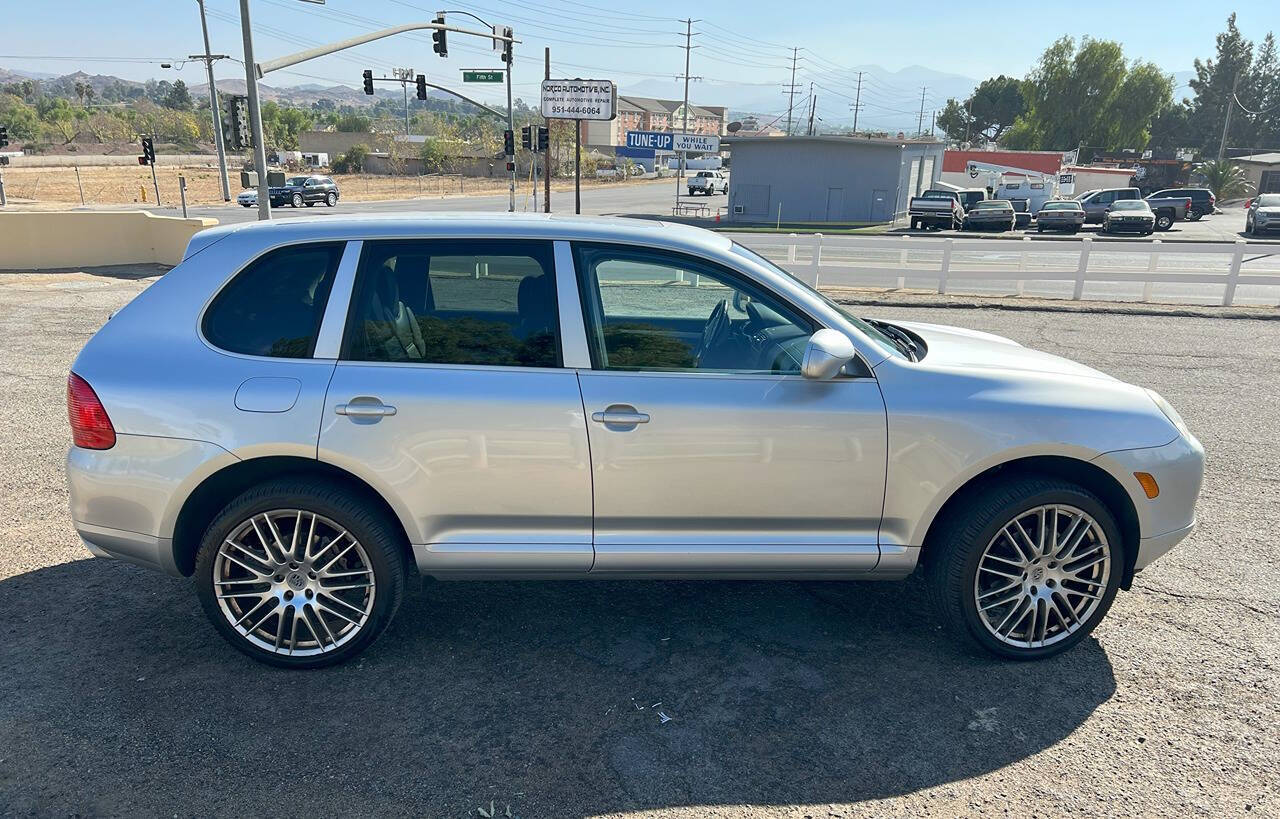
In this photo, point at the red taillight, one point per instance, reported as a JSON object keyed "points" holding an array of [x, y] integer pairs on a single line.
{"points": [[90, 426]]}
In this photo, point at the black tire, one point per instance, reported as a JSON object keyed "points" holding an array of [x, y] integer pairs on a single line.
{"points": [[381, 539], [297, 200], [331, 199], [915, 224], [1248, 229], [951, 558], [1039, 228], [1194, 215], [1164, 221], [311, 204]]}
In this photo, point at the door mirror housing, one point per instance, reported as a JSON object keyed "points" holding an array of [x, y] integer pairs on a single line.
{"points": [[826, 353]]}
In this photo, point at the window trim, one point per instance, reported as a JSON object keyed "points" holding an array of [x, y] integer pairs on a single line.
{"points": [[217, 292], [591, 303], [349, 315]]}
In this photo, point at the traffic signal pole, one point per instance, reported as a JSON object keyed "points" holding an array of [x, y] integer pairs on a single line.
{"points": [[546, 156], [509, 58], [255, 115], [218, 141]]}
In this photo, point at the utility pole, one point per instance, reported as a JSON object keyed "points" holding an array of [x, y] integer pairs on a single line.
{"points": [[684, 128], [1226, 126], [255, 115], [857, 103], [813, 103], [791, 88], [508, 55], [546, 157], [214, 108], [920, 122]]}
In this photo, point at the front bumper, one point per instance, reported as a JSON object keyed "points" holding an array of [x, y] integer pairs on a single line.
{"points": [[1130, 227]]}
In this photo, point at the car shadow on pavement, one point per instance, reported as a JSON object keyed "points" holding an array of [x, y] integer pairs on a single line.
{"points": [[556, 698]]}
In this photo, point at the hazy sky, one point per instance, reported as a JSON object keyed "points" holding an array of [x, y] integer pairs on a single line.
{"points": [[744, 41]]}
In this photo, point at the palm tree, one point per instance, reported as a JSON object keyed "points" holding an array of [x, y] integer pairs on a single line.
{"points": [[1226, 179]]}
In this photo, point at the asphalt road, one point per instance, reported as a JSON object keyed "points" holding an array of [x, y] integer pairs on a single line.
{"points": [[785, 699]]}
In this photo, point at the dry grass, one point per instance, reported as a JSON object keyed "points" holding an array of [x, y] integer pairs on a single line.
{"points": [[129, 185]]}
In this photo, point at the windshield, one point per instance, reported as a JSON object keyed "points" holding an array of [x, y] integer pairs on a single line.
{"points": [[1269, 200], [1131, 204], [297, 181], [870, 331], [1061, 206]]}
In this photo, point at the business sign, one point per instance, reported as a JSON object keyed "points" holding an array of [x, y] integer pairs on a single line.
{"points": [[482, 75], [671, 141], [633, 153], [695, 143], [579, 99]]}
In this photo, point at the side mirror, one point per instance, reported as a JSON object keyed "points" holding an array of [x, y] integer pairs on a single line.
{"points": [[827, 351]]}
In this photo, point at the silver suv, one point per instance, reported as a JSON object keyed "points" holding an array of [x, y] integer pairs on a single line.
{"points": [[303, 413]]}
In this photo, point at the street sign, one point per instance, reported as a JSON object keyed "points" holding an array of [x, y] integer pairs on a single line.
{"points": [[695, 143], [670, 141], [579, 99], [482, 75]]}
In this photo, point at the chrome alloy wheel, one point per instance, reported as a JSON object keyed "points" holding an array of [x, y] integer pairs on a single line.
{"points": [[293, 582], [1042, 576]]}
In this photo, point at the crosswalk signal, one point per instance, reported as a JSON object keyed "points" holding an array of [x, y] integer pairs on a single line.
{"points": [[526, 137], [508, 143], [544, 137], [422, 87], [4, 136], [148, 151], [438, 42], [368, 82]]}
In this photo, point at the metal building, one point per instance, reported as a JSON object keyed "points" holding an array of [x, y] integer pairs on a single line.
{"points": [[836, 179]]}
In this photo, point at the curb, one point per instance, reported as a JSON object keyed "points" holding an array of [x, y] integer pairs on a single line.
{"points": [[844, 296]]}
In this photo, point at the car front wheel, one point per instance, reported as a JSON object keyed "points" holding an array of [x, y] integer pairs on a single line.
{"points": [[331, 199], [297, 200], [300, 573], [1025, 569]]}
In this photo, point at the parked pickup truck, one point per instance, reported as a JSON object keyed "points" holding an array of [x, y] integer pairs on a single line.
{"points": [[936, 209], [708, 183], [1168, 209]]}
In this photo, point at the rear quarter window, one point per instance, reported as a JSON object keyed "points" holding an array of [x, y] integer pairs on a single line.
{"points": [[274, 306]]}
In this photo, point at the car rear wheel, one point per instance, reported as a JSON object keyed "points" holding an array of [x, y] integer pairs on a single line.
{"points": [[331, 199], [1163, 221], [300, 573], [297, 200], [1194, 215], [1025, 568]]}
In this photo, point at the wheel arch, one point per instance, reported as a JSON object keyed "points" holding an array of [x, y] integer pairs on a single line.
{"points": [[219, 488], [1083, 473]]}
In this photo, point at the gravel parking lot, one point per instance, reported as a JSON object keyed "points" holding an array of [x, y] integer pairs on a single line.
{"points": [[784, 699]]}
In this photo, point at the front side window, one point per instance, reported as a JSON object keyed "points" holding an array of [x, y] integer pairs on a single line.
{"points": [[274, 306], [455, 302], [653, 310]]}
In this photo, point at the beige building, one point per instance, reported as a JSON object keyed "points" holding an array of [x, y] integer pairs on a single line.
{"points": [[649, 114], [1263, 171]]}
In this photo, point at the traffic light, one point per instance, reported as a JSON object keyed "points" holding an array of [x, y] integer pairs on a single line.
{"points": [[544, 138], [241, 138], [526, 137], [148, 151], [508, 143], [368, 82], [4, 136], [422, 87], [438, 42]]}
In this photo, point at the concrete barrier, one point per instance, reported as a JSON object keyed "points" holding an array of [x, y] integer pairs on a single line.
{"points": [[61, 240]]}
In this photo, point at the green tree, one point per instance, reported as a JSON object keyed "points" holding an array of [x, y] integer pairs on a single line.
{"points": [[22, 119], [1226, 179], [988, 112], [352, 161], [178, 98], [1089, 96], [1213, 82], [1262, 94], [435, 159]]}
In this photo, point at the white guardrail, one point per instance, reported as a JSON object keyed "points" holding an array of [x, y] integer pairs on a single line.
{"points": [[1203, 271]]}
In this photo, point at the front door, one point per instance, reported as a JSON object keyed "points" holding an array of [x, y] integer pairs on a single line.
{"points": [[450, 398], [710, 453]]}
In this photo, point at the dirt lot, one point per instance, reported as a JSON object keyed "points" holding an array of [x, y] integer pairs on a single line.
{"points": [[132, 184], [786, 699]]}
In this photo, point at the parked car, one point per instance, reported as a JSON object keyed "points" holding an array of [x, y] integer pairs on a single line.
{"points": [[708, 182], [993, 214], [1130, 216], [1203, 202], [247, 198], [1060, 214], [936, 208], [303, 412], [1167, 210], [305, 190], [1263, 214]]}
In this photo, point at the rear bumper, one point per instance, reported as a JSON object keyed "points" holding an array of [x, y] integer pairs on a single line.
{"points": [[147, 551]]}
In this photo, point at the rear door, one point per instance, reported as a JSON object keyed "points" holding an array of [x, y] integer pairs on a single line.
{"points": [[710, 452], [450, 398]]}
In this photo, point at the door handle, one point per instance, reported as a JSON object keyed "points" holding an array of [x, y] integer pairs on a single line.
{"points": [[623, 415], [365, 408]]}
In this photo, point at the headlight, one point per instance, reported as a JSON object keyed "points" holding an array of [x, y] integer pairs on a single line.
{"points": [[1169, 412]]}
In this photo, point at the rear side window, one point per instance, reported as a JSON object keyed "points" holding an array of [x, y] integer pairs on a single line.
{"points": [[274, 306], [455, 302]]}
